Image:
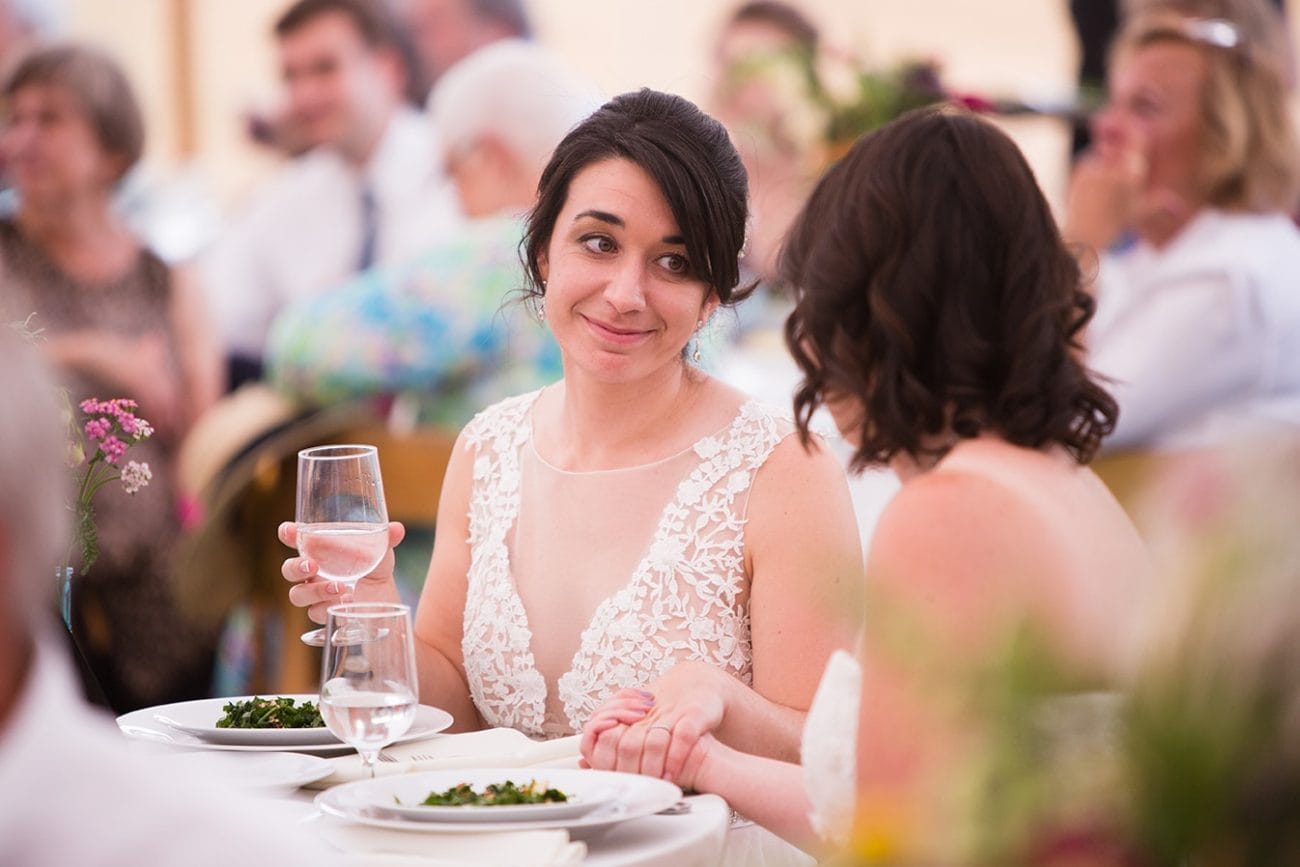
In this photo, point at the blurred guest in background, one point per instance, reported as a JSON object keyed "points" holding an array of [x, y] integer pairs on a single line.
{"points": [[1187, 196], [765, 92], [444, 32], [114, 805], [22, 24], [442, 327], [118, 323], [369, 191]]}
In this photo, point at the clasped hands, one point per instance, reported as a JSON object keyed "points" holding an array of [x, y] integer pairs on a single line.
{"points": [[666, 730]]}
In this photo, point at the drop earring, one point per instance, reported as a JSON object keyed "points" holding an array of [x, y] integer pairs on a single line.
{"points": [[695, 356], [541, 303]]}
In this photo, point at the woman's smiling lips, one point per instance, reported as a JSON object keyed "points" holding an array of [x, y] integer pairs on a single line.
{"points": [[612, 334]]}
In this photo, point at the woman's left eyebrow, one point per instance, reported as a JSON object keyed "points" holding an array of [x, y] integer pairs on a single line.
{"points": [[615, 220], [603, 216]]}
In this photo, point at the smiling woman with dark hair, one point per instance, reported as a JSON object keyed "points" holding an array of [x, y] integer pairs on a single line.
{"points": [[638, 534]]}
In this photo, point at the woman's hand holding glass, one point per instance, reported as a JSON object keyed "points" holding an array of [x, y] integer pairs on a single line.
{"points": [[314, 591], [369, 690], [342, 528]]}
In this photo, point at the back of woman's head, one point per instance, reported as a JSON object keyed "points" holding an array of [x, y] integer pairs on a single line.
{"points": [[1250, 152], [934, 292], [692, 161], [100, 86]]}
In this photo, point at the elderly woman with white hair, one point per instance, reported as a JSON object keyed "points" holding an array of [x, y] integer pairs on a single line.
{"points": [[440, 328]]}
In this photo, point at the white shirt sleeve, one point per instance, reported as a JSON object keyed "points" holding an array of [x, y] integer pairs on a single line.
{"points": [[1174, 350], [239, 298]]}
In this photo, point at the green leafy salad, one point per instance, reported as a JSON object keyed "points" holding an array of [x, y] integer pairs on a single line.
{"points": [[270, 713], [495, 795]]}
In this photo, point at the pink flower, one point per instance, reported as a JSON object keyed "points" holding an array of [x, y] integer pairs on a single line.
{"points": [[113, 449], [111, 429], [98, 428]]}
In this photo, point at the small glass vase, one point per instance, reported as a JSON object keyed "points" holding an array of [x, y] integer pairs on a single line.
{"points": [[63, 581]]}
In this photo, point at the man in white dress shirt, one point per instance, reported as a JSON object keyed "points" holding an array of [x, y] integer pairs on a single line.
{"points": [[74, 793], [369, 191]]}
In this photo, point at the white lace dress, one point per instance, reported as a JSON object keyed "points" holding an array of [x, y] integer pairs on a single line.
{"points": [[830, 748], [581, 584]]}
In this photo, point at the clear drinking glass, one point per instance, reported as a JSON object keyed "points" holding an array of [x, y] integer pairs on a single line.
{"points": [[368, 686], [341, 515]]}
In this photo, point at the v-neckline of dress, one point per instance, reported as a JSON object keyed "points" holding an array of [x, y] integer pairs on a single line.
{"points": [[641, 573]]}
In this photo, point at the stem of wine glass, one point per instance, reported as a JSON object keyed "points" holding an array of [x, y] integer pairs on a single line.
{"points": [[316, 637], [368, 758]]}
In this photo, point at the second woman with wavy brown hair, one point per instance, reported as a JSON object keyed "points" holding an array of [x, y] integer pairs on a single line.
{"points": [[937, 313], [937, 318]]}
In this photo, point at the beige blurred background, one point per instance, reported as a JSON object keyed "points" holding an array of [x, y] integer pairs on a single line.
{"points": [[200, 64]]}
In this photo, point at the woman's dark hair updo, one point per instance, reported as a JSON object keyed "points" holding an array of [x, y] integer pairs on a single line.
{"points": [[691, 159]]}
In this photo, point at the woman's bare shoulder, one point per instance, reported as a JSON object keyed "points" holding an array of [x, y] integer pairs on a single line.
{"points": [[969, 518]]}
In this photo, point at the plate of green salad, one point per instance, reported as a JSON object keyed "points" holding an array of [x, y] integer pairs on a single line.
{"points": [[248, 722], [281, 720], [498, 799]]}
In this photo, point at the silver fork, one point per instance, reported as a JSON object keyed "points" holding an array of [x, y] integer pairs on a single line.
{"points": [[389, 757], [676, 809]]}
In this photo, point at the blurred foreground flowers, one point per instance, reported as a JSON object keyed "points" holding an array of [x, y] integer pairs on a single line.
{"points": [[1189, 758]]}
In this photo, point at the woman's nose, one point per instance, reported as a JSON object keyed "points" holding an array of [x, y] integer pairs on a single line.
{"points": [[625, 290]]}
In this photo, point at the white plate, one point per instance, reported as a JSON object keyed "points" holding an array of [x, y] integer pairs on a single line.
{"points": [[403, 800], [144, 725], [258, 771], [199, 718], [615, 797]]}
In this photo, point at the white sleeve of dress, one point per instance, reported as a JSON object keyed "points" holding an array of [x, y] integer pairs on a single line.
{"points": [[1170, 353], [830, 748]]}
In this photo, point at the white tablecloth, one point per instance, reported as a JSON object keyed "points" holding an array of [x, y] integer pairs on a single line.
{"points": [[691, 839]]}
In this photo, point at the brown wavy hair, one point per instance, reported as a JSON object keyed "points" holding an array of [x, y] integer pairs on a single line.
{"points": [[934, 292]]}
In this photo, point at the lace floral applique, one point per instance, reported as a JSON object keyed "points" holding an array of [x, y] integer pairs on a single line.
{"points": [[504, 682], [684, 601]]}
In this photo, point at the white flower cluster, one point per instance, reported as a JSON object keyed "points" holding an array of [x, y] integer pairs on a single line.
{"points": [[135, 475]]}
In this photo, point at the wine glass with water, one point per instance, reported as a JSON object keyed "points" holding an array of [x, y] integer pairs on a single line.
{"points": [[368, 690], [341, 515]]}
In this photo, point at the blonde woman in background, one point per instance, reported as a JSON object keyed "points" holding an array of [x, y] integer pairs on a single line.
{"points": [[1188, 196]]}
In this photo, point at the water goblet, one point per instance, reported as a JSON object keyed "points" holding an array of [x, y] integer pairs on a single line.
{"points": [[369, 689], [341, 514]]}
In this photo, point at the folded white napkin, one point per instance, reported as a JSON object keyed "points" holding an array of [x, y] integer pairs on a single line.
{"points": [[490, 748], [377, 846]]}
